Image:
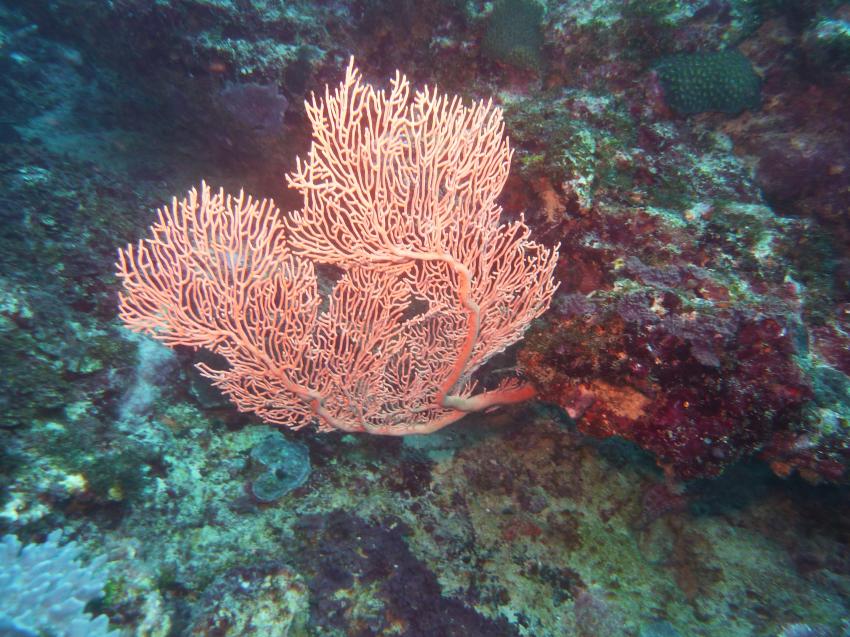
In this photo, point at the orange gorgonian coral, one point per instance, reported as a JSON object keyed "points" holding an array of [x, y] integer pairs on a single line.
{"points": [[400, 195]]}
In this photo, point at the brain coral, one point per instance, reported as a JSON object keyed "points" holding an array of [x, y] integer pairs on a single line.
{"points": [[514, 34], [697, 82]]}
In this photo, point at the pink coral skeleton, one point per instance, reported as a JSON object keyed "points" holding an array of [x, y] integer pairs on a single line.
{"points": [[400, 196]]}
